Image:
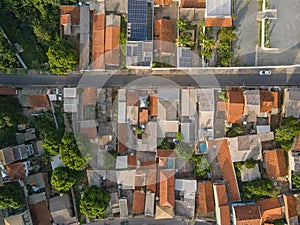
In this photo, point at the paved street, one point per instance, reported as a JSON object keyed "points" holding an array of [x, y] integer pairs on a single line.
{"points": [[143, 221], [246, 31]]}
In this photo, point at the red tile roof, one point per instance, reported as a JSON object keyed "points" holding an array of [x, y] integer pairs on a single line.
{"points": [[112, 57], [266, 101], [166, 153], [143, 116], [248, 214], [227, 168], [235, 105], [89, 96], [39, 101], [218, 22], [162, 2], [40, 213], [138, 202], [132, 98], [275, 163], [153, 104], [90, 133], [16, 171], [193, 4], [297, 146], [222, 106], [151, 180], [98, 41], [205, 198], [167, 185], [225, 215], [74, 12], [121, 137], [221, 194], [7, 91], [131, 161], [111, 37], [290, 208], [65, 19], [276, 99], [270, 209], [164, 31]]}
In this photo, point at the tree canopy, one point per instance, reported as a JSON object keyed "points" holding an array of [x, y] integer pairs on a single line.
{"points": [[11, 196], [8, 58], [184, 151], [288, 130], [63, 178], [70, 154], [10, 116], [296, 180], [94, 201]]}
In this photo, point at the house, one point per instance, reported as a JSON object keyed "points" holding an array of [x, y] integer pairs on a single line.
{"points": [[271, 209], [139, 34], [166, 187], [193, 4], [189, 133], [162, 2], [186, 191], [98, 40], [23, 218], [235, 104], [122, 137], [268, 101], [246, 213], [193, 10], [218, 13], [60, 210], [149, 204], [39, 102], [204, 198], [40, 213], [70, 100], [112, 31], [250, 174], [17, 153], [220, 149], [18, 171], [275, 163], [126, 178], [165, 35], [7, 90], [88, 128], [252, 105], [164, 212], [188, 104], [138, 206], [221, 204], [27, 135], [292, 106], [151, 180], [127, 161], [123, 208], [148, 143], [290, 209], [153, 105]]}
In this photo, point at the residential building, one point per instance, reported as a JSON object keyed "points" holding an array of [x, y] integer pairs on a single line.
{"points": [[112, 31], [40, 213], [218, 13], [167, 185], [17, 153], [184, 57], [290, 209], [271, 209], [138, 206], [204, 198], [275, 163], [23, 218], [221, 204], [98, 39], [250, 174], [246, 213], [149, 204], [235, 105], [164, 212], [38, 102], [292, 105], [18, 171], [123, 208], [70, 100], [164, 36]]}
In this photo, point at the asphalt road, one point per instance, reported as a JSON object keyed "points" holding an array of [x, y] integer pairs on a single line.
{"points": [[199, 80], [143, 221]]}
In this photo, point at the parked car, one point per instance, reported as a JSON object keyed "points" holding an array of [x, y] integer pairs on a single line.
{"points": [[265, 72]]}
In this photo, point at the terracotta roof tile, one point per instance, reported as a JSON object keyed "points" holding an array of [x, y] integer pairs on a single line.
{"points": [[167, 185], [225, 215], [297, 146], [227, 167], [270, 209], [39, 101], [40, 213], [131, 161], [276, 99], [290, 203], [164, 31], [7, 91], [162, 2], [132, 98], [138, 202], [218, 22], [89, 96], [248, 214], [193, 4], [221, 194], [165, 153], [121, 137], [275, 163], [266, 101], [153, 104], [16, 171], [65, 19], [111, 37], [143, 116], [112, 57], [98, 46], [205, 198], [151, 180], [222, 106], [90, 132], [139, 178], [74, 12], [235, 105]]}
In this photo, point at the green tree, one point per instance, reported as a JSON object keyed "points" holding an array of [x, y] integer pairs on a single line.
{"points": [[10, 116], [250, 163], [70, 154], [8, 58], [94, 202], [182, 25], [296, 180], [62, 57], [236, 130], [184, 151], [202, 166], [288, 130], [179, 136], [11, 196], [63, 178], [259, 188], [207, 44], [184, 40], [226, 34]]}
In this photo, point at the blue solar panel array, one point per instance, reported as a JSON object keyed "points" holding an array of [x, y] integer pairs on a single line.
{"points": [[139, 20], [185, 58]]}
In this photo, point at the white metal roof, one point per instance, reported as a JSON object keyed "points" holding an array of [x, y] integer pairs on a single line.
{"points": [[218, 8], [69, 92]]}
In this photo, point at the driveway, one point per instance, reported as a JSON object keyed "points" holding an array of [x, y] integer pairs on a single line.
{"points": [[284, 35], [247, 29]]}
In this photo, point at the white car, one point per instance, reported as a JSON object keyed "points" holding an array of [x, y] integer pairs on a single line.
{"points": [[265, 72]]}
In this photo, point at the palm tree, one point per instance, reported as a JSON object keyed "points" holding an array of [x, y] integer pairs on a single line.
{"points": [[182, 24]]}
